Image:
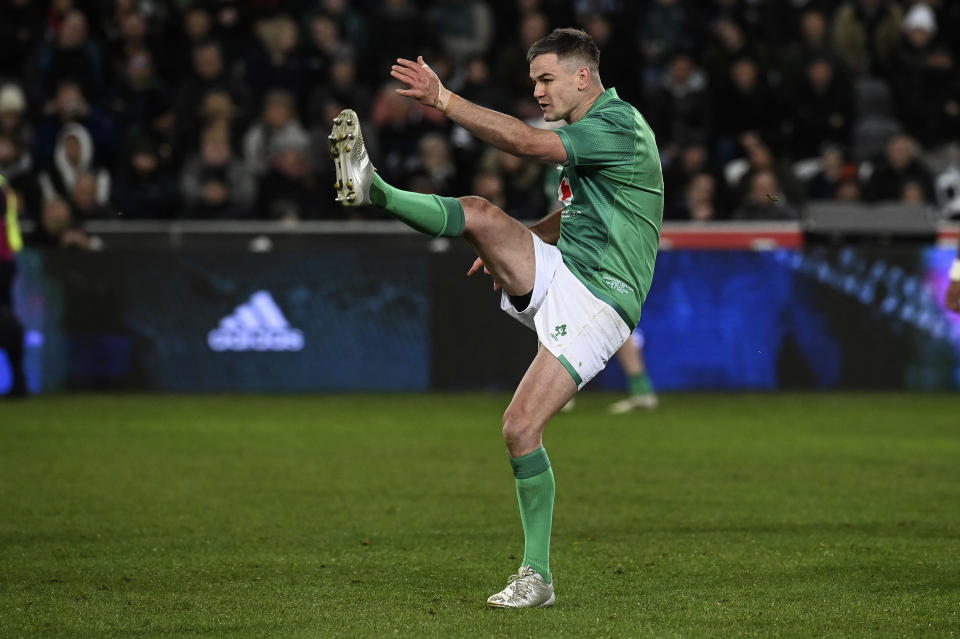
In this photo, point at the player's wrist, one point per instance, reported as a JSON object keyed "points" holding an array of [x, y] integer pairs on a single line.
{"points": [[955, 271], [443, 100]]}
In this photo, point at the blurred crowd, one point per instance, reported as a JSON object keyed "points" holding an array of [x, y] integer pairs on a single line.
{"points": [[220, 109]]}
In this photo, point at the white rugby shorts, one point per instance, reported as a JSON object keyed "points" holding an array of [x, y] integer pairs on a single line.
{"points": [[582, 331]]}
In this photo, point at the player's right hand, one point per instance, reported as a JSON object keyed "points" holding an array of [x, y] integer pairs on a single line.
{"points": [[423, 84], [953, 297], [477, 264]]}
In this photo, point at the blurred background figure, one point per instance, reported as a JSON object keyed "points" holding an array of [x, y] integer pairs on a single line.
{"points": [[866, 33], [215, 184], [145, 188], [896, 170], [641, 394], [11, 330]]}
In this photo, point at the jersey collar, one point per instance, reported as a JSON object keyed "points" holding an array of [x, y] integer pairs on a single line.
{"points": [[606, 96]]}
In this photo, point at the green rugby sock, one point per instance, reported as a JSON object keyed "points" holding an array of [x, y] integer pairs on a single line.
{"points": [[639, 384], [535, 493], [432, 214]]}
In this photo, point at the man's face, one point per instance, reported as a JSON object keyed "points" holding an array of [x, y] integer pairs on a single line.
{"points": [[555, 86]]}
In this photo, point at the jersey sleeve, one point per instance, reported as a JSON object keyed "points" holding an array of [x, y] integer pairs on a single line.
{"points": [[606, 138]]}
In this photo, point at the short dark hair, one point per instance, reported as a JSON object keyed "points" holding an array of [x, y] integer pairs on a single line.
{"points": [[567, 43]]}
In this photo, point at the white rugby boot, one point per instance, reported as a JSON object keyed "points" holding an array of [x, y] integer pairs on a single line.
{"points": [[527, 589], [646, 401], [354, 169]]}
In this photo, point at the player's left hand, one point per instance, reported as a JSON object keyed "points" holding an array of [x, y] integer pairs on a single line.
{"points": [[423, 84], [476, 267], [953, 297]]}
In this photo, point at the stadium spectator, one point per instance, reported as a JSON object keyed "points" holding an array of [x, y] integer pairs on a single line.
{"points": [[866, 33], [926, 80], [820, 111], [70, 106], [728, 45], [744, 104], [351, 21], [13, 117], [760, 157], [287, 190], [522, 181], [617, 43], [813, 43], [489, 185], [275, 62], [195, 28], [664, 31], [72, 157], [396, 25], [464, 27], [145, 188], [209, 75], [324, 44], [764, 199], [138, 98], [84, 198], [690, 164], [699, 202], [21, 29], [510, 69], [58, 227], [834, 178], [899, 166], [477, 86], [131, 35], [400, 124], [215, 184], [434, 165], [341, 87], [680, 110], [278, 121], [16, 166], [71, 56]]}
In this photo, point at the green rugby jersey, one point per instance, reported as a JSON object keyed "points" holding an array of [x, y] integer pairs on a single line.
{"points": [[612, 191]]}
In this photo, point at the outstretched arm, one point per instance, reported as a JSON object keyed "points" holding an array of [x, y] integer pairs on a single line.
{"points": [[505, 132], [953, 291]]}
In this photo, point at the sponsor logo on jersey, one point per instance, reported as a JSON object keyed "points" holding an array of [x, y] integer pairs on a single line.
{"points": [[565, 193], [617, 285], [258, 325]]}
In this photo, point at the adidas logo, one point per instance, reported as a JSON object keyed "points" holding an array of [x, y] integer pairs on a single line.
{"points": [[258, 325]]}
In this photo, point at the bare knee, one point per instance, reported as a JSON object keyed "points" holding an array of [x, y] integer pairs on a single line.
{"points": [[521, 431], [478, 212]]}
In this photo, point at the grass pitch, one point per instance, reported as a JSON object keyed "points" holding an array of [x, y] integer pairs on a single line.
{"points": [[395, 516]]}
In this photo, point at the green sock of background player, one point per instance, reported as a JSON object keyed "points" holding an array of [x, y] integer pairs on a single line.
{"points": [[639, 384], [432, 214], [535, 493]]}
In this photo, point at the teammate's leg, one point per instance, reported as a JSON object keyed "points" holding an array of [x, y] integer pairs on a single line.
{"points": [[544, 389], [639, 386]]}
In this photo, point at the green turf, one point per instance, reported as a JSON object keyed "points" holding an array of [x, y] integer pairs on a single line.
{"points": [[395, 516]]}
